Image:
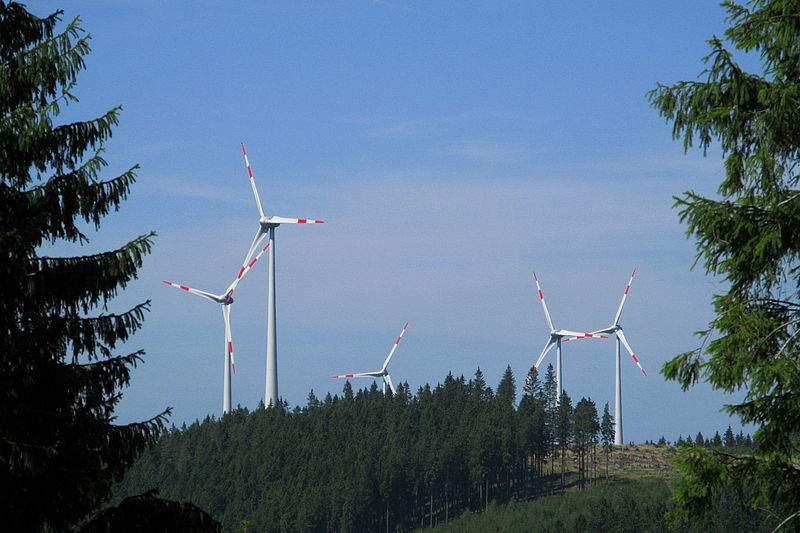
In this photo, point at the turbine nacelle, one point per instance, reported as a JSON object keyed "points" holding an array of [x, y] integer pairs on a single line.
{"points": [[615, 328], [266, 223], [556, 336]]}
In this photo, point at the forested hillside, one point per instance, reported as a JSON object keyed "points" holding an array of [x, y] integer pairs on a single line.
{"points": [[367, 462]]}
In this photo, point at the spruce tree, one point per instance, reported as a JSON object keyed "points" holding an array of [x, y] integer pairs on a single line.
{"points": [[729, 439], [61, 373], [607, 434], [563, 429], [749, 236], [585, 429]]}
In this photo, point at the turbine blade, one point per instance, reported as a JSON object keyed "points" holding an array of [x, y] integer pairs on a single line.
{"points": [[226, 315], [259, 236], [204, 294], [363, 375], [388, 379], [252, 182], [624, 297], [284, 220], [624, 341], [245, 269], [391, 353], [584, 336], [544, 305], [547, 348]]}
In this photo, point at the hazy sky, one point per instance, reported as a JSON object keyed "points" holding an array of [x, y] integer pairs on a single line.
{"points": [[451, 148]]}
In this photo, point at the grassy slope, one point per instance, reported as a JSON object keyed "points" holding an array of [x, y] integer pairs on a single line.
{"points": [[634, 499]]}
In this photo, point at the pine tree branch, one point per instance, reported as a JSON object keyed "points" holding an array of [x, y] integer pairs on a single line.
{"points": [[61, 282]]}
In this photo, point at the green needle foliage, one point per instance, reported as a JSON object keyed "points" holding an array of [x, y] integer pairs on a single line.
{"points": [[750, 236], [60, 374]]}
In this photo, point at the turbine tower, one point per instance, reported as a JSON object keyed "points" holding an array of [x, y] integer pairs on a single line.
{"points": [[225, 300], [556, 335], [616, 329], [382, 373], [267, 225]]}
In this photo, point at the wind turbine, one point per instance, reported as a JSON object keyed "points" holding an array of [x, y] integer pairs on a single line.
{"points": [[556, 335], [616, 329], [382, 373], [225, 300], [267, 225]]}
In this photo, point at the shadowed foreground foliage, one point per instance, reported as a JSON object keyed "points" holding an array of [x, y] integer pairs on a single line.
{"points": [[61, 370]]}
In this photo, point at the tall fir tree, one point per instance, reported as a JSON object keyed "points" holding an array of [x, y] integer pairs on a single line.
{"points": [[607, 434], [60, 377], [749, 236], [563, 430], [585, 426], [729, 439]]}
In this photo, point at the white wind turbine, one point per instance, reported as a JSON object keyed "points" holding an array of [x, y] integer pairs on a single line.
{"points": [[616, 329], [556, 335], [267, 225], [225, 300], [382, 373]]}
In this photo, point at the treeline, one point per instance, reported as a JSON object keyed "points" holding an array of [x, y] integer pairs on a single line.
{"points": [[728, 439], [365, 461], [624, 506]]}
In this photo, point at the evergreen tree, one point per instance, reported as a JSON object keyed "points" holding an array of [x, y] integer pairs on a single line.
{"points": [[563, 429], [607, 434], [729, 440], [699, 440], [750, 237], [550, 389], [533, 385], [585, 429], [59, 449], [507, 389]]}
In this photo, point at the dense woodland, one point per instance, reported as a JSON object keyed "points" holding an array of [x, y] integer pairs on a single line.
{"points": [[366, 461]]}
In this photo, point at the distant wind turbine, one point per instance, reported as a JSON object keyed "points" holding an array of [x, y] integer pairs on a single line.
{"points": [[225, 300], [556, 335], [616, 329], [382, 373], [267, 225]]}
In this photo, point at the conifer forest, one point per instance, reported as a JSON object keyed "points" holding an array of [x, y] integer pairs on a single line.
{"points": [[365, 461]]}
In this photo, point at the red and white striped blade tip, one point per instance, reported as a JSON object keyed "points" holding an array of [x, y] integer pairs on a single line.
{"points": [[184, 287], [586, 336]]}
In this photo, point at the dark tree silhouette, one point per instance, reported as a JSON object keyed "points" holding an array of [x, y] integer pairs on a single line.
{"points": [[61, 375]]}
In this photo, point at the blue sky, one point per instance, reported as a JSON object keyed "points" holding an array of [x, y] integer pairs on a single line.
{"points": [[451, 148]]}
